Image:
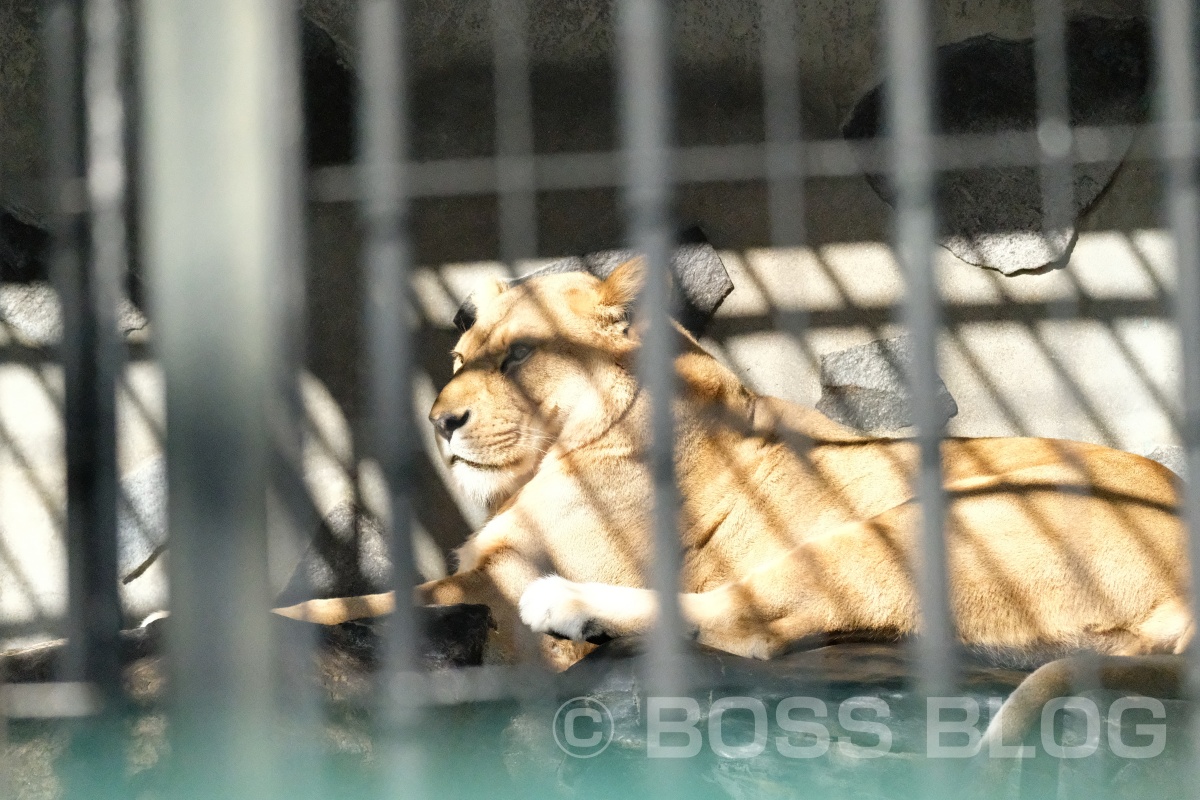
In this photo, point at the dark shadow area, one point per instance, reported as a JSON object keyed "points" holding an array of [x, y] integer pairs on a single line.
{"points": [[24, 251], [329, 99]]}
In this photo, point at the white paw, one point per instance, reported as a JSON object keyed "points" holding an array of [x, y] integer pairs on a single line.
{"points": [[558, 607]]}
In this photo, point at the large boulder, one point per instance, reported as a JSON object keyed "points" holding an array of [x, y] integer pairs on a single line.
{"points": [[993, 217]]}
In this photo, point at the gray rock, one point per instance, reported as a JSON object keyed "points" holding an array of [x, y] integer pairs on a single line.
{"points": [[142, 517], [702, 283], [1171, 456], [348, 556], [993, 217], [32, 313], [865, 386]]}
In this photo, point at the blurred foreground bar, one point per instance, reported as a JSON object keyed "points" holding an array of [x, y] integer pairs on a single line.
{"points": [[910, 116], [1175, 46], [217, 227], [646, 138], [89, 288]]}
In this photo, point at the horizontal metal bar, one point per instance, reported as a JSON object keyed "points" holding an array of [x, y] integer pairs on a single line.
{"points": [[58, 700], [829, 158], [15, 353]]}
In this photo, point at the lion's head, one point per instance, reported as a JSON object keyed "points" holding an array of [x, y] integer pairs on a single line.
{"points": [[547, 365]]}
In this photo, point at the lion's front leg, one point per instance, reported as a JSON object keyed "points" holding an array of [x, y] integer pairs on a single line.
{"points": [[597, 612], [854, 577], [498, 584]]}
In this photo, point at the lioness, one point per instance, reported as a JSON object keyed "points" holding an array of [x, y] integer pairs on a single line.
{"points": [[791, 525]]}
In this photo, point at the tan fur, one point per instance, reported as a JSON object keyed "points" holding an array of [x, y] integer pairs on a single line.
{"points": [[1161, 676], [791, 525]]}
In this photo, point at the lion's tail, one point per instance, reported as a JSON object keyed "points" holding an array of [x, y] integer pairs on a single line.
{"points": [[1160, 676], [335, 610]]}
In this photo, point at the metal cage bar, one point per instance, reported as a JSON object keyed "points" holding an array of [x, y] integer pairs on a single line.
{"points": [[910, 115], [291, 518], [384, 210], [88, 150], [1056, 182], [515, 184], [833, 158], [645, 135], [389, 320], [1175, 48], [1054, 117], [784, 165], [217, 228]]}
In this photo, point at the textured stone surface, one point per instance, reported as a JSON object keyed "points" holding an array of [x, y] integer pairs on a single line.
{"points": [[1171, 456], [31, 313], [865, 386], [347, 556], [142, 516], [993, 217], [449, 636]]}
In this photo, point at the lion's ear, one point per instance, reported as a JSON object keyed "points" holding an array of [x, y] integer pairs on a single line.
{"points": [[468, 312], [488, 291], [622, 285]]}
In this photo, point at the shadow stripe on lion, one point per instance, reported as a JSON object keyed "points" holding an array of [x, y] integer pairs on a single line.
{"points": [[791, 525]]}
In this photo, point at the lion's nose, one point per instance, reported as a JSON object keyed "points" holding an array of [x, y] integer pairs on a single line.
{"points": [[447, 424]]}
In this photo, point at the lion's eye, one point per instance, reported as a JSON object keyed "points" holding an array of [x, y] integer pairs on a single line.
{"points": [[517, 354]]}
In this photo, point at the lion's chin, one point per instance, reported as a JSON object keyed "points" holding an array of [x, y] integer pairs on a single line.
{"points": [[486, 484]]}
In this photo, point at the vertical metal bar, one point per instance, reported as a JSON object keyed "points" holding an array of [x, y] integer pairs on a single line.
{"points": [[290, 517], [109, 259], [390, 321], [1175, 51], [910, 114], [514, 131], [286, 304], [216, 229], [1055, 142], [1054, 120], [645, 132], [782, 118], [92, 358]]}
